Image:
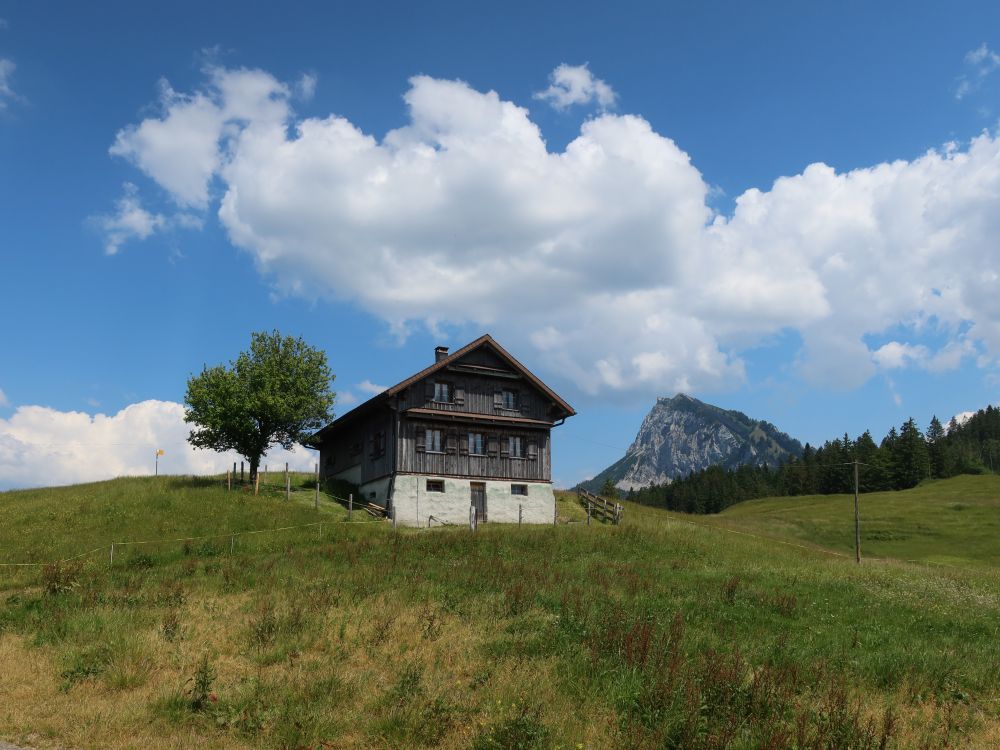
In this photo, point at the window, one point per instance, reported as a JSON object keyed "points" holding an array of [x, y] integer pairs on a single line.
{"points": [[378, 444], [508, 400], [519, 489], [476, 445], [515, 447], [432, 441], [435, 485], [442, 392]]}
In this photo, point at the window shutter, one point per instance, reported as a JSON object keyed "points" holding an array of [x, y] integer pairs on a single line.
{"points": [[429, 389], [459, 396], [498, 399], [532, 450], [504, 447], [421, 437], [451, 442], [492, 445], [463, 446]]}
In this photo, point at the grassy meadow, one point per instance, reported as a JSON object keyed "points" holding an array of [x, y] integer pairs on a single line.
{"points": [[654, 634], [947, 521]]}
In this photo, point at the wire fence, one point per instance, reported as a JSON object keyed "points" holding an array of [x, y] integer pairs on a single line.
{"points": [[823, 550], [110, 548], [357, 506]]}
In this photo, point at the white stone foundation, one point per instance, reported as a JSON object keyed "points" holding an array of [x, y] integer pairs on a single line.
{"points": [[415, 505]]}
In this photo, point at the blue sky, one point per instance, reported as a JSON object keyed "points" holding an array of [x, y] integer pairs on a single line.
{"points": [[842, 298]]}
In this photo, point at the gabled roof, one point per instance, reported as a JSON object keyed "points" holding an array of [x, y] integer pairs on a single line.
{"points": [[484, 340]]}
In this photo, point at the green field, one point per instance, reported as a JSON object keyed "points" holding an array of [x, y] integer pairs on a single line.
{"points": [[947, 521], [654, 634]]}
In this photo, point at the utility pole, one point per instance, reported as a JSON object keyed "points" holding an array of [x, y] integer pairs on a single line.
{"points": [[857, 512], [857, 518]]}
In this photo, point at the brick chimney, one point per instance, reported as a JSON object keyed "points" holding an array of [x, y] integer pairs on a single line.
{"points": [[440, 352]]}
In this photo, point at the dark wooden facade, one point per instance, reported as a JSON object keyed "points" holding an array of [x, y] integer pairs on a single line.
{"points": [[480, 389]]}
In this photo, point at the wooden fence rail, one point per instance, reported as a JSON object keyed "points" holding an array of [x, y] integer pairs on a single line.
{"points": [[598, 506]]}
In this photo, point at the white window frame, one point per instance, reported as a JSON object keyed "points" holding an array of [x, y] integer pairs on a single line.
{"points": [[518, 493], [436, 483]]}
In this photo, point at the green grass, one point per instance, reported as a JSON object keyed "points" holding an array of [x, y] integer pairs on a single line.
{"points": [[654, 634], [950, 521], [48, 524]]}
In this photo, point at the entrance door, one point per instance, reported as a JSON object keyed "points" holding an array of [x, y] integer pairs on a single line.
{"points": [[479, 500]]}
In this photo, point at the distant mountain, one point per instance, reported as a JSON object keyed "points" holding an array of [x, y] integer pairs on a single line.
{"points": [[682, 434]]}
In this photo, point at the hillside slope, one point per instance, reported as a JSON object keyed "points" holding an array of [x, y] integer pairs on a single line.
{"points": [[655, 633], [54, 522], [954, 521], [682, 434]]}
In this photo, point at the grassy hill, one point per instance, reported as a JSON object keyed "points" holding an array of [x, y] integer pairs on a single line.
{"points": [[949, 521], [653, 634]]}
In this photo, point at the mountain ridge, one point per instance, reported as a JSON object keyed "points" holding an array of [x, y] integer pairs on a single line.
{"points": [[681, 434]]}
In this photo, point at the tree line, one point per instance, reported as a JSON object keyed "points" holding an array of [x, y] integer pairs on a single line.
{"points": [[904, 457]]}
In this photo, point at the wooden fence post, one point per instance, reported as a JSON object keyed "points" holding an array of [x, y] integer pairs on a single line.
{"points": [[288, 487], [232, 544], [229, 481], [112, 553], [350, 505], [472, 518], [588, 512], [520, 513], [242, 480], [317, 486]]}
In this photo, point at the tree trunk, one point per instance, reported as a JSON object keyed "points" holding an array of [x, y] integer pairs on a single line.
{"points": [[254, 465]]}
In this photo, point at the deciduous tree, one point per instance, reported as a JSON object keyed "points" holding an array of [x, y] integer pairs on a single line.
{"points": [[277, 393]]}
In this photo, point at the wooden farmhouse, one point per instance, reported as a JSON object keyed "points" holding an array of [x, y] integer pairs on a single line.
{"points": [[473, 429]]}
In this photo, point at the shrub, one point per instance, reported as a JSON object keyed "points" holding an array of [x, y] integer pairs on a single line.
{"points": [[522, 731], [61, 578], [200, 694], [170, 629]]}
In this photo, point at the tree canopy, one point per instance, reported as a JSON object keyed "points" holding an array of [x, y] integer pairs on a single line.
{"points": [[904, 458], [277, 393]]}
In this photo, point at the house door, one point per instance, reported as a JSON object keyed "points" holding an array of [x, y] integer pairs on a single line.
{"points": [[479, 500]]}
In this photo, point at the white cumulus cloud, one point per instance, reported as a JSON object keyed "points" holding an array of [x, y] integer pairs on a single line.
{"points": [[372, 389], [184, 149], [40, 446], [604, 259], [305, 88], [575, 84], [129, 221], [979, 64], [895, 355], [7, 68]]}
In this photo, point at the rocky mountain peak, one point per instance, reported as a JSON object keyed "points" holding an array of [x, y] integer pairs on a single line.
{"points": [[681, 434]]}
